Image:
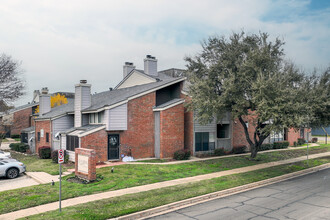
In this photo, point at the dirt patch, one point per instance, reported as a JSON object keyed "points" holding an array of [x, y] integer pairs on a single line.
{"points": [[76, 179]]}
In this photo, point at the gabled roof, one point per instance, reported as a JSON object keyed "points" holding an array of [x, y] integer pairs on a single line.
{"points": [[110, 98], [162, 75], [29, 105]]}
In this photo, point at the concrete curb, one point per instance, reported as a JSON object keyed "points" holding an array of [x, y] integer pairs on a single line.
{"points": [[216, 195]]}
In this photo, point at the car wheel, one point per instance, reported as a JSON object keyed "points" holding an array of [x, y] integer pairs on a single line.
{"points": [[12, 173]]}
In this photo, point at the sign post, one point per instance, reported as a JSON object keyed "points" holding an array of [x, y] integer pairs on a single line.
{"points": [[60, 161]]}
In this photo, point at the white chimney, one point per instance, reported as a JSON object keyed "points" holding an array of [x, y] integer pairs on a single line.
{"points": [[44, 102], [82, 100], [128, 67], [36, 94], [150, 65]]}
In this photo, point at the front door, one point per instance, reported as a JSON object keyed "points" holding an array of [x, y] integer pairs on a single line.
{"points": [[113, 146]]}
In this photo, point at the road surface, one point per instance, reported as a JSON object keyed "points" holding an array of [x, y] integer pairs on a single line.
{"points": [[305, 197]]}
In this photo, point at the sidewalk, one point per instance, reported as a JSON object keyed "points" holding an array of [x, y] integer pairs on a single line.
{"points": [[143, 188]]}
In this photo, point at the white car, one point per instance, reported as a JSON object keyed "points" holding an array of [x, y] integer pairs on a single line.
{"points": [[4, 154], [11, 168]]}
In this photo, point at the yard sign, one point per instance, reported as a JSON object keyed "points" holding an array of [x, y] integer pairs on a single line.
{"points": [[60, 156]]}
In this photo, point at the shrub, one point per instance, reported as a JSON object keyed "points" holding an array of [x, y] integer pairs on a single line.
{"points": [[15, 136], [55, 156], [266, 147], [239, 149], [314, 140], [280, 145], [182, 154], [301, 141], [219, 152], [44, 152], [295, 143], [19, 147]]}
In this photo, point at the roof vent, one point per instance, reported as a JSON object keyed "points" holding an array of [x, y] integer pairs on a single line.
{"points": [[83, 81], [110, 88]]}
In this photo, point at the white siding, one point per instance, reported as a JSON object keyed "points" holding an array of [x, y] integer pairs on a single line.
{"points": [[44, 104], [116, 118], [136, 79], [77, 107], [211, 127], [63, 142], [59, 125]]}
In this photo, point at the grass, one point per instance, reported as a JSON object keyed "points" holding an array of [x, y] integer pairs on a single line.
{"points": [[130, 175], [118, 206], [4, 140], [34, 164], [154, 161]]}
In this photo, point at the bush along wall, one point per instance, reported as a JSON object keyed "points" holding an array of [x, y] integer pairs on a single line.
{"points": [[301, 141], [44, 152], [266, 147], [19, 147], [55, 156], [183, 154], [281, 144], [239, 149]]}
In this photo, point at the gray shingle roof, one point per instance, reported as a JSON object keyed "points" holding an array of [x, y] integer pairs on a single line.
{"points": [[59, 110], [109, 98], [23, 107]]}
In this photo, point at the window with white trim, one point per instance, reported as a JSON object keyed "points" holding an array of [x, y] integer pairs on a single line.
{"points": [[96, 118]]}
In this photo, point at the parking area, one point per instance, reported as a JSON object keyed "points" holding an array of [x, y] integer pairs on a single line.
{"points": [[21, 181]]}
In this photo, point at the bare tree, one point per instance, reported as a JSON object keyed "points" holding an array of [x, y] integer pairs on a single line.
{"points": [[11, 84]]}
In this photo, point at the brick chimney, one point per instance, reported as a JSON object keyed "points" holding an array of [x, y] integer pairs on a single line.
{"points": [[128, 67], [82, 100], [150, 65], [44, 102]]}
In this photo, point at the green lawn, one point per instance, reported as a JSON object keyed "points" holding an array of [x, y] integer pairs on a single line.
{"points": [[130, 175], [34, 164], [118, 206]]}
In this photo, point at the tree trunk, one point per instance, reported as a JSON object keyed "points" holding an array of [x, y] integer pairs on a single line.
{"points": [[253, 151]]}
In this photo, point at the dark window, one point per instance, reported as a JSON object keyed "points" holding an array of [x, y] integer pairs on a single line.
{"points": [[38, 136], [302, 133], [72, 142], [201, 141], [47, 137], [222, 131]]}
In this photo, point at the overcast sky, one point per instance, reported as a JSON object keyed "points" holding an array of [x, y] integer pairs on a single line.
{"points": [[60, 42]]}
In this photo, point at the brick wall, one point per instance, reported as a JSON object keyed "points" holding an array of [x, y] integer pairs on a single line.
{"points": [[46, 126], [188, 126], [239, 137], [97, 141], [21, 119], [171, 130], [91, 175], [139, 135]]}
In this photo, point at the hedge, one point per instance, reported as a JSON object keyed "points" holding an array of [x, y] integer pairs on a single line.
{"points": [[301, 141], [183, 154], [281, 144], [19, 147], [266, 147], [55, 156], [239, 149], [15, 136], [219, 152], [44, 152]]}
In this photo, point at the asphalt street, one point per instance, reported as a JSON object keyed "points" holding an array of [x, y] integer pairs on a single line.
{"points": [[305, 197]]}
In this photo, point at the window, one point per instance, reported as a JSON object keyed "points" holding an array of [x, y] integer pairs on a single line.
{"points": [[201, 141], [222, 131], [38, 136], [96, 118], [47, 137], [72, 142]]}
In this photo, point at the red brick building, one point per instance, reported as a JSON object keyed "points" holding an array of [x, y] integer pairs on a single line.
{"points": [[143, 117]]}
